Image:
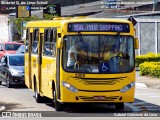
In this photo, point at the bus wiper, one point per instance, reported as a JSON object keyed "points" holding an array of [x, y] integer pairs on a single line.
{"points": [[83, 44], [106, 43]]}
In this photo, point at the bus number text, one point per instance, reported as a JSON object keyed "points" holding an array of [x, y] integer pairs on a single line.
{"points": [[79, 75]]}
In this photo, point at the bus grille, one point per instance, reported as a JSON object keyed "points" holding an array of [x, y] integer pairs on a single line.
{"points": [[100, 81], [108, 98]]}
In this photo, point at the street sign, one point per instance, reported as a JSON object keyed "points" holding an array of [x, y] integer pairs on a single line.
{"points": [[131, 18], [54, 9], [23, 11]]}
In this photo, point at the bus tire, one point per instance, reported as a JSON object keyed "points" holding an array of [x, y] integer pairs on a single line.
{"points": [[119, 106], [8, 82], [58, 105], [37, 95]]}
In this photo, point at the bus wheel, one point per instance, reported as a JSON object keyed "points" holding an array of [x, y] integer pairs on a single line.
{"points": [[37, 96], [58, 105], [8, 82], [119, 106]]}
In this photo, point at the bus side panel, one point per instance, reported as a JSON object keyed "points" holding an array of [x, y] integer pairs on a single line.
{"points": [[26, 71], [48, 75], [34, 76]]}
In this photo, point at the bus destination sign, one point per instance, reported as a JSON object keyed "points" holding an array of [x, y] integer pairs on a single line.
{"points": [[98, 27]]}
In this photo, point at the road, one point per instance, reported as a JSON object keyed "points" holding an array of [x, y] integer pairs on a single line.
{"points": [[22, 99]]}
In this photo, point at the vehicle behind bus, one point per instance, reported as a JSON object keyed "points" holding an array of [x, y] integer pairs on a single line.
{"points": [[9, 48]]}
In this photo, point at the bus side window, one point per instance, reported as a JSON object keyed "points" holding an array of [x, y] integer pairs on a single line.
{"points": [[35, 42], [53, 49], [49, 45], [53, 41], [27, 41]]}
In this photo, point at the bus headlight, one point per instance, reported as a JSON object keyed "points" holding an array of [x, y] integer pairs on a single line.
{"points": [[69, 87], [127, 87]]}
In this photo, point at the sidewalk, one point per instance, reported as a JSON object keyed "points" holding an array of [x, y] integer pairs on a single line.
{"points": [[148, 81]]}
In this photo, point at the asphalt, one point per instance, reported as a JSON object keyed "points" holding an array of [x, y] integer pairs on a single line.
{"points": [[141, 81]]}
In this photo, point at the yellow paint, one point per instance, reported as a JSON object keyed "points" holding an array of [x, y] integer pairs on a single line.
{"points": [[48, 68]]}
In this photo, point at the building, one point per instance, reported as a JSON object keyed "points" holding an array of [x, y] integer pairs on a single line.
{"points": [[4, 28]]}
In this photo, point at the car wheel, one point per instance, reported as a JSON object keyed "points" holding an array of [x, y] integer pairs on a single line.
{"points": [[58, 105], [37, 95], [119, 106], [8, 82], [0, 82]]}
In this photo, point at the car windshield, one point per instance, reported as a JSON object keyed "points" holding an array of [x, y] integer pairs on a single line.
{"points": [[16, 60], [21, 49], [98, 53], [12, 46]]}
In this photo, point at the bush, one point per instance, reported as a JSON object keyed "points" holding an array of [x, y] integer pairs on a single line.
{"points": [[149, 57], [150, 68]]}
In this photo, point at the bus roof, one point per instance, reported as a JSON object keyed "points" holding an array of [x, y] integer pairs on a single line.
{"points": [[57, 22]]}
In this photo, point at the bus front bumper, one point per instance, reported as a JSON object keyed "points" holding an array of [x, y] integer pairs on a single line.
{"points": [[97, 97]]}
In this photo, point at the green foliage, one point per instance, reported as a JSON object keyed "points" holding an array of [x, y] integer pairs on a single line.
{"points": [[150, 68], [149, 57], [18, 21], [48, 17]]}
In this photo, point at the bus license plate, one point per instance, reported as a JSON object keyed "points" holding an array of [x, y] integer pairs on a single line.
{"points": [[99, 97]]}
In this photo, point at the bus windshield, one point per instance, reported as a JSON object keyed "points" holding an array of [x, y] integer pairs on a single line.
{"points": [[98, 53]]}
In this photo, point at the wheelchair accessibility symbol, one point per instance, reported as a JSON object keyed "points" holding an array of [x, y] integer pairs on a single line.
{"points": [[104, 67]]}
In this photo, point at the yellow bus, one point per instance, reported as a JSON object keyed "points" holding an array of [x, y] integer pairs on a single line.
{"points": [[81, 60]]}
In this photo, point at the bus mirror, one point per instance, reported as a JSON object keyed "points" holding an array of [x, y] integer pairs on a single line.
{"points": [[59, 43], [136, 43]]}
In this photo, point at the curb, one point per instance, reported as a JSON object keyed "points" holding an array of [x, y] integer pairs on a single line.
{"points": [[2, 108], [141, 85]]}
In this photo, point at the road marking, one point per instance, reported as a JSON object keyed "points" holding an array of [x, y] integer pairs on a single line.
{"points": [[134, 109], [141, 107], [138, 103], [141, 85], [142, 88]]}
